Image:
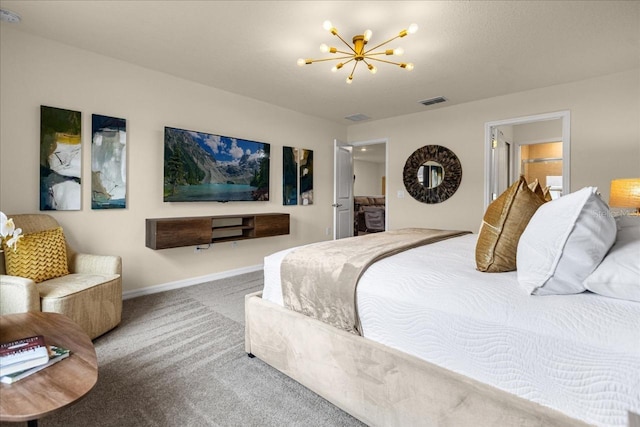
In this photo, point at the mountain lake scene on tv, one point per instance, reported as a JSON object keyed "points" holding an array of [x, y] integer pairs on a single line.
{"points": [[202, 167]]}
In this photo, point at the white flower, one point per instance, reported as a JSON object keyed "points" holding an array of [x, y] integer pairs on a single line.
{"points": [[8, 231]]}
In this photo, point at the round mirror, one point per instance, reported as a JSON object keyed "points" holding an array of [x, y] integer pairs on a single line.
{"points": [[432, 174]]}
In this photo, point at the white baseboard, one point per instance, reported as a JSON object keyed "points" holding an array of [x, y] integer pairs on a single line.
{"points": [[189, 282]]}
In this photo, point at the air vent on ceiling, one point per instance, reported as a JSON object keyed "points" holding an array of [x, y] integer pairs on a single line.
{"points": [[431, 101], [357, 117]]}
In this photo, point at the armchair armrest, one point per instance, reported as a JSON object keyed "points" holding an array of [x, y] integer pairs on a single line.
{"points": [[102, 264], [18, 295]]}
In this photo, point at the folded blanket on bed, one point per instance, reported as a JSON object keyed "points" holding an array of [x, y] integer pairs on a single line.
{"points": [[320, 280]]}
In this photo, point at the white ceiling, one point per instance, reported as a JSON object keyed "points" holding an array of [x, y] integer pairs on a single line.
{"points": [[464, 50]]}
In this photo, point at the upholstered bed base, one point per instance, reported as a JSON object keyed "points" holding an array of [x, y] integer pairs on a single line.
{"points": [[377, 384]]}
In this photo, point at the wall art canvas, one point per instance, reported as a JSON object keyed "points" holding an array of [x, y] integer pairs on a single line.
{"points": [[207, 167], [306, 177], [289, 176], [60, 159], [108, 162], [297, 176]]}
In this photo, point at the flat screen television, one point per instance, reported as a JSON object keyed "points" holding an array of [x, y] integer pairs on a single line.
{"points": [[202, 167]]}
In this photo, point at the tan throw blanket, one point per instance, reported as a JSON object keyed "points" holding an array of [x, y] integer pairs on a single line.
{"points": [[320, 280]]}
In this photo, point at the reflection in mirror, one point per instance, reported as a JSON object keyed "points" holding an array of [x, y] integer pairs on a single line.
{"points": [[430, 174]]}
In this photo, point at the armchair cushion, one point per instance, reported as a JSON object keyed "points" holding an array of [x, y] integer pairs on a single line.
{"points": [[18, 295], [40, 256], [93, 301]]}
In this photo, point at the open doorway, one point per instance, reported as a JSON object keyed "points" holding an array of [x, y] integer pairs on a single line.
{"points": [[369, 187], [537, 147]]}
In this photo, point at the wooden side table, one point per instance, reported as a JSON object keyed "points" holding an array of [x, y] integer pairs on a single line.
{"points": [[56, 386]]}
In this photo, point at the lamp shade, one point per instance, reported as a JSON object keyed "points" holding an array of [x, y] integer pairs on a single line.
{"points": [[625, 193]]}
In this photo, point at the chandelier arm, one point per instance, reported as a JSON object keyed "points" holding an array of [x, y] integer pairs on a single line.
{"points": [[332, 59], [381, 44], [353, 70], [347, 44], [375, 53], [384, 60], [369, 65]]}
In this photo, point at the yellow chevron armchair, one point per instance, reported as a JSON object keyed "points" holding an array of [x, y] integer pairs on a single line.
{"points": [[45, 274]]}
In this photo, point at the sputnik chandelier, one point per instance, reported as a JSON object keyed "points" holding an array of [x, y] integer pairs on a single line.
{"points": [[358, 53]]}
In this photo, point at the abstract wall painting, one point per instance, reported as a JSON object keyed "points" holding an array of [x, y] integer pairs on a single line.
{"points": [[108, 162], [289, 176], [297, 176], [60, 159], [306, 177]]}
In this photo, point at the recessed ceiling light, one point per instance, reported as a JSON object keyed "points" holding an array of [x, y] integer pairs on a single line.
{"points": [[8, 16]]}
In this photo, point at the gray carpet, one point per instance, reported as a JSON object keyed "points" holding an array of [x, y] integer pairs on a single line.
{"points": [[178, 359]]}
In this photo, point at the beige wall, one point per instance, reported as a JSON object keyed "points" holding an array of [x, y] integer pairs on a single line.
{"points": [[38, 72], [548, 130], [368, 178], [605, 143]]}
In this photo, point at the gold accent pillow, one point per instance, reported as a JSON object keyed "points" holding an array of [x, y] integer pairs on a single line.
{"points": [[543, 193], [503, 223], [39, 256]]}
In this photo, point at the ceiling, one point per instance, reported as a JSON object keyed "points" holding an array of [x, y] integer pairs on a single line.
{"points": [[463, 50]]}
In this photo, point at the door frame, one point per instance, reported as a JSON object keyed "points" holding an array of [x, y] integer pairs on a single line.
{"points": [[376, 141], [564, 115]]}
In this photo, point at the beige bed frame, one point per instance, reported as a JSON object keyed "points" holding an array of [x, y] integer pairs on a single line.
{"points": [[377, 384]]}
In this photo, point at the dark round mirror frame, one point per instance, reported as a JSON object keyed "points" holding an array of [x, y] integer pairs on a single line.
{"points": [[452, 174]]}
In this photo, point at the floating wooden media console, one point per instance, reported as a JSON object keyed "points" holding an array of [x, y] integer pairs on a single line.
{"points": [[163, 233]]}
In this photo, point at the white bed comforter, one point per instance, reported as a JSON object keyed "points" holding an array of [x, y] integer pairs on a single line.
{"points": [[579, 354]]}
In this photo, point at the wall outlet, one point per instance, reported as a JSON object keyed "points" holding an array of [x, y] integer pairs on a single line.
{"points": [[327, 231], [234, 244], [400, 194]]}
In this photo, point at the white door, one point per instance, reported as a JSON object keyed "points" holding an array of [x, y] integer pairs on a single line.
{"points": [[342, 190]]}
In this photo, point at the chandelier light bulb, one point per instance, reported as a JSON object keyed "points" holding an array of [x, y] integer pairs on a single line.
{"points": [[372, 69], [398, 51], [367, 35], [301, 62], [409, 66], [349, 80], [324, 48], [327, 25], [413, 28]]}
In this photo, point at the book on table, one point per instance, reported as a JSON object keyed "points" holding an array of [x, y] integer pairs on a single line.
{"points": [[56, 354], [22, 354]]}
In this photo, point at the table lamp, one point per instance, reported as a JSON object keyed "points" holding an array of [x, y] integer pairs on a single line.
{"points": [[625, 193]]}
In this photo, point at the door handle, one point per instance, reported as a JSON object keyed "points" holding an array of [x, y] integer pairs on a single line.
{"points": [[336, 205]]}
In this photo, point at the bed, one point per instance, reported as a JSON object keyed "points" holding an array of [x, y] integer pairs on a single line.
{"points": [[444, 344]]}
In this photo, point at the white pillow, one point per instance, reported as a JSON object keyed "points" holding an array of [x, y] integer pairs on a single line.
{"points": [[618, 275], [624, 222], [564, 242]]}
